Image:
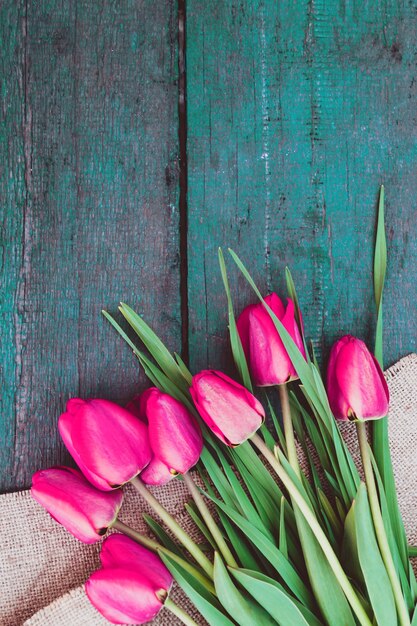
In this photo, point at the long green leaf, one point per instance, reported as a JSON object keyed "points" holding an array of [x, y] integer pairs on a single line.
{"points": [[380, 440], [237, 349], [372, 565], [205, 602], [278, 604], [156, 347], [270, 551], [244, 610]]}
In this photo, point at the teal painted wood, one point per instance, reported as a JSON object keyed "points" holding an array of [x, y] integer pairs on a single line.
{"points": [[297, 112], [90, 178]]}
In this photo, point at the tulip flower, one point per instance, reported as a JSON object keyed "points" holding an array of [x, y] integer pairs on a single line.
{"points": [[109, 444], [174, 436], [355, 383], [119, 551], [267, 358], [132, 585], [72, 501], [125, 596], [228, 408]]}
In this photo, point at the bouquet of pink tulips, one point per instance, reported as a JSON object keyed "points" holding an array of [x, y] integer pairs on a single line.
{"points": [[289, 532]]}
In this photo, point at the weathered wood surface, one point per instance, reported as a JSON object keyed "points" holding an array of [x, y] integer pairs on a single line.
{"points": [[297, 112], [89, 175]]}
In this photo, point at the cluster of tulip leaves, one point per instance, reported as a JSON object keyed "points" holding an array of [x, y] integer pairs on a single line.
{"points": [[283, 575]]}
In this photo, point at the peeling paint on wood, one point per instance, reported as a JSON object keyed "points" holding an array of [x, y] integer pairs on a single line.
{"points": [[297, 112], [90, 135]]}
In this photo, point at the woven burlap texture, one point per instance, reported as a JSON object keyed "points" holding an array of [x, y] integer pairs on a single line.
{"points": [[43, 568]]}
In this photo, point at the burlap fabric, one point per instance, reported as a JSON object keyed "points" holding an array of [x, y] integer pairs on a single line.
{"points": [[43, 568]]}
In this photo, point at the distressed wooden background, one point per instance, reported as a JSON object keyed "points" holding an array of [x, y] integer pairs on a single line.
{"points": [[111, 190]]}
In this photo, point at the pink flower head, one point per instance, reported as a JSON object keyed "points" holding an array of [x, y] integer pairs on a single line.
{"points": [[121, 551], [174, 435], [355, 382], [109, 444], [267, 358], [72, 501], [228, 408], [132, 585]]}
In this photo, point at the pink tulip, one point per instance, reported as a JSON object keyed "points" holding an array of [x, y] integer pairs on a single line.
{"points": [[228, 408], [119, 551], [267, 358], [69, 498], [132, 585], [110, 445], [355, 383], [174, 436], [125, 596]]}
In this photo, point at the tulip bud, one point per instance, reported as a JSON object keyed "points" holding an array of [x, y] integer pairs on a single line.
{"points": [[132, 585], [355, 382], [72, 501], [174, 436], [267, 358], [121, 551], [109, 444], [228, 408]]}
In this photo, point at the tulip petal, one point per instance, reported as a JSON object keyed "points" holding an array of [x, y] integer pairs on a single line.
{"points": [[110, 445], [174, 434], [355, 382], [157, 473], [229, 409], [359, 381], [123, 596], [70, 499], [267, 357], [119, 551]]}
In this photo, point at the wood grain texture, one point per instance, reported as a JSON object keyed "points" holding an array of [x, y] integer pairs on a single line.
{"points": [[297, 112], [90, 135]]}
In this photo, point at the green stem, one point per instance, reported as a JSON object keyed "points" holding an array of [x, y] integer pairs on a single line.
{"points": [[179, 612], [158, 547], [288, 429], [145, 541], [210, 523], [379, 525], [317, 530], [175, 528]]}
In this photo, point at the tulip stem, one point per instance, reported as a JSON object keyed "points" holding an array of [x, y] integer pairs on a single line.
{"points": [[209, 520], [179, 612], [149, 543], [288, 429], [403, 614], [145, 541], [317, 530], [175, 528]]}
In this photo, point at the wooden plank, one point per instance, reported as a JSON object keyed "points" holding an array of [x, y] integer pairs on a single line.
{"points": [[297, 112], [96, 220]]}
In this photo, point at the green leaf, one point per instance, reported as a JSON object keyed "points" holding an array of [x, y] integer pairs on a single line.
{"points": [[380, 268], [237, 349], [205, 602], [372, 565], [184, 369], [270, 552], [311, 619], [156, 347], [244, 550], [273, 598], [282, 532], [327, 591], [294, 297], [192, 512], [245, 611]]}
